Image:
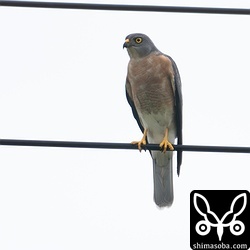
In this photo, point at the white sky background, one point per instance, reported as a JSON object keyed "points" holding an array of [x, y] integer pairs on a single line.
{"points": [[62, 76]]}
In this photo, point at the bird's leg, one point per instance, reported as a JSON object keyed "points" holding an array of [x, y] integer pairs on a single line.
{"points": [[165, 143], [142, 141]]}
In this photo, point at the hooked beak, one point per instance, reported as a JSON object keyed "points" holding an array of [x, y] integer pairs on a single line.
{"points": [[125, 45]]}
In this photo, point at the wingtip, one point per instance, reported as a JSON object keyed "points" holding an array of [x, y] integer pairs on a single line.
{"points": [[178, 170], [179, 162]]}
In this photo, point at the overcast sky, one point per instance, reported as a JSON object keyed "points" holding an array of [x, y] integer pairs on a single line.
{"points": [[62, 77]]}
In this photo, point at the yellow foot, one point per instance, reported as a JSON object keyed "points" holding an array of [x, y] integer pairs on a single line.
{"points": [[165, 144], [139, 144], [142, 141]]}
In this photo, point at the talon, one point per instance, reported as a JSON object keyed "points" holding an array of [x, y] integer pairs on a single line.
{"points": [[139, 144], [142, 142], [165, 144]]}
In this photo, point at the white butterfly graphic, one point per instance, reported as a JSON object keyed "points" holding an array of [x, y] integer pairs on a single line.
{"points": [[203, 227]]}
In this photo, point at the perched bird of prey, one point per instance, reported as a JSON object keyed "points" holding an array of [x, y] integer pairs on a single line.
{"points": [[153, 90]]}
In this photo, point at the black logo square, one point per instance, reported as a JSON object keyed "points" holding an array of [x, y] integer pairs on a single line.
{"points": [[220, 219]]}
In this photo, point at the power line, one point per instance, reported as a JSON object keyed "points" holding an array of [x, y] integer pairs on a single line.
{"points": [[110, 145], [120, 7]]}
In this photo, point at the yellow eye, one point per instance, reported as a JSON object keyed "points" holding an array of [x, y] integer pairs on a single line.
{"points": [[138, 40]]}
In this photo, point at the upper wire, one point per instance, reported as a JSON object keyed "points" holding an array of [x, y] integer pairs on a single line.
{"points": [[126, 7]]}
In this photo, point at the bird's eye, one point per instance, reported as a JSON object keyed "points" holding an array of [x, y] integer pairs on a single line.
{"points": [[138, 40]]}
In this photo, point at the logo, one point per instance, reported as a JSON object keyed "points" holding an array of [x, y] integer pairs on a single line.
{"points": [[220, 219]]}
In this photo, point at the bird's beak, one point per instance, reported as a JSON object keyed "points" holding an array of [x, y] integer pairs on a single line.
{"points": [[125, 45]]}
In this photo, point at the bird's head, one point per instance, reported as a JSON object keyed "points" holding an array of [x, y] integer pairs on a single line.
{"points": [[139, 45]]}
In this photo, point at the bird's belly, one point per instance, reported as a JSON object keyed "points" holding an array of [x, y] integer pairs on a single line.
{"points": [[156, 124], [155, 107]]}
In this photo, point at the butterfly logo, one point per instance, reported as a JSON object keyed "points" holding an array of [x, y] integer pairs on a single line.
{"points": [[229, 219]]}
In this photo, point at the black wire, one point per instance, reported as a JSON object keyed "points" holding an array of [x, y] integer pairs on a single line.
{"points": [[120, 7], [106, 145]]}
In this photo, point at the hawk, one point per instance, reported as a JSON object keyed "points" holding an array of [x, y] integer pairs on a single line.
{"points": [[153, 90]]}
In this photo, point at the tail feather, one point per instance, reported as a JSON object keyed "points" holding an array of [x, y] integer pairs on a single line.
{"points": [[163, 179]]}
